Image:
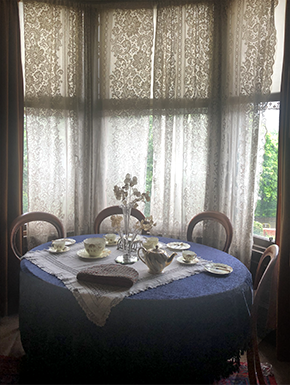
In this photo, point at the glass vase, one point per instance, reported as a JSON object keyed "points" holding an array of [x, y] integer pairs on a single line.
{"points": [[126, 241]]}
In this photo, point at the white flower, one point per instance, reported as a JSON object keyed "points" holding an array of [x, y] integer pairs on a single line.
{"points": [[116, 222], [128, 195]]}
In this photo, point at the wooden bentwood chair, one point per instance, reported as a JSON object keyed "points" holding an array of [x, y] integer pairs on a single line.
{"points": [[30, 217], [115, 210], [263, 279], [215, 216]]}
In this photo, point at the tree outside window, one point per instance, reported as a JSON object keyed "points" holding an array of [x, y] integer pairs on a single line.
{"points": [[265, 214]]}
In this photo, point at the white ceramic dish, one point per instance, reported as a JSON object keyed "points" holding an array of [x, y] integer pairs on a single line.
{"points": [[181, 260], [54, 251], [179, 246], [85, 256], [218, 268], [69, 241]]}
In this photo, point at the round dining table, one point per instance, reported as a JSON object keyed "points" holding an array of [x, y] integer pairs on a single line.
{"points": [[191, 330]]}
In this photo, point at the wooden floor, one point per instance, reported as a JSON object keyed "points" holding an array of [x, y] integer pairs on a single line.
{"points": [[10, 345]]}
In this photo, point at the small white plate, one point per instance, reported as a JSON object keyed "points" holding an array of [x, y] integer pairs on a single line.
{"points": [[53, 250], [85, 256], [181, 260], [218, 268], [69, 241], [178, 246]]}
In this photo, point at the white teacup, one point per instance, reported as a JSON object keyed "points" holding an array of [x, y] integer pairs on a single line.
{"points": [[150, 243], [94, 246], [110, 237], [188, 255], [58, 244]]}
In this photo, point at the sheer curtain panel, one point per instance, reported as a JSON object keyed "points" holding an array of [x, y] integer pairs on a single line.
{"points": [[106, 82], [212, 73], [84, 132]]}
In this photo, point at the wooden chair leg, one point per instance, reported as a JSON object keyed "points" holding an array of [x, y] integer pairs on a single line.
{"points": [[253, 359], [251, 365], [257, 359], [259, 371]]}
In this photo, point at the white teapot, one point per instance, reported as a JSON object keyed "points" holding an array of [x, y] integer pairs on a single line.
{"points": [[156, 259]]}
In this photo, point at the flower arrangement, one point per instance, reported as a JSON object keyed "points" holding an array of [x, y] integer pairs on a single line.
{"points": [[145, 224], [129, 195]]}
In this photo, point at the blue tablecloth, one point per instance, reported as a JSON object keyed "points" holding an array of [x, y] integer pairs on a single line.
{"points": [[182, 332]]}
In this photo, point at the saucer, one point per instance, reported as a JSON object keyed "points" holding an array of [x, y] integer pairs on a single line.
{"points": [[181, 260], [85, 256], [178, 246], [69, 241], [53, 250], [218, 268]]}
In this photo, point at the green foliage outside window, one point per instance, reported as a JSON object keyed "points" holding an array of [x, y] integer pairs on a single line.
{"points": [[258, 228], [267, 203]]}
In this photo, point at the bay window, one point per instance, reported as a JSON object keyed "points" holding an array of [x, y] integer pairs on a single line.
{"points": [[170, 91]]}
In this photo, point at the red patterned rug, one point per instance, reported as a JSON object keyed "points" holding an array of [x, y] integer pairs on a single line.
{"points": [[10, 369]]}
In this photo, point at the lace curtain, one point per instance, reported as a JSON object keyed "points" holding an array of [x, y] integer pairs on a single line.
{"points": [[105, 81]]}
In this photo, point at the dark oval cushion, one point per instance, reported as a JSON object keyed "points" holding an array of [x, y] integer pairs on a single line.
{"points": [[109, 274]]}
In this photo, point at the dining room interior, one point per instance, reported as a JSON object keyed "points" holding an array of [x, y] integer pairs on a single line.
{"points": [[102, 98]]}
